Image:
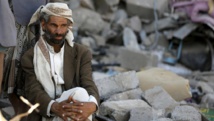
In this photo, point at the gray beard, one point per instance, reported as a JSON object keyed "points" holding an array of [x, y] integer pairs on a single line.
{"points": [[51, 39]]}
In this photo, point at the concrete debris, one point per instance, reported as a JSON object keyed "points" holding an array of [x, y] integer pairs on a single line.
{"points": [[186, 113], [127, 37], [88, 20], [147, 6], [185, 30], [127, 95], [141, 59], [130, 39], [160, 99], [162, 24], [141, 114], [169, 81], [135, 23], [118, 83], [124, 41], [120, 109]]}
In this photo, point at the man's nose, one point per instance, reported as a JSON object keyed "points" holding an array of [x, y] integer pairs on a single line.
{"points": [[58, 30]]}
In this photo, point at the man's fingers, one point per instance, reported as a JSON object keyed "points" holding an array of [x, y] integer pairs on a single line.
{"points": [[78, 104], [70, 99], [72, 105]]}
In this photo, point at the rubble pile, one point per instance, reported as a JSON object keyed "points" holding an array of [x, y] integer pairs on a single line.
{"points": [[129, 37]]}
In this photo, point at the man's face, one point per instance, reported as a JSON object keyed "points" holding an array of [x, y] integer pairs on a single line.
{"points": [[55, 29]]}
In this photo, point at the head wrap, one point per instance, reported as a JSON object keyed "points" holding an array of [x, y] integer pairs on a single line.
{"points": [[55, 9]]}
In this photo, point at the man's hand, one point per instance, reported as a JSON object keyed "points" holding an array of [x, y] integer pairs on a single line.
{"points": [[79, 111], [57, 109]]}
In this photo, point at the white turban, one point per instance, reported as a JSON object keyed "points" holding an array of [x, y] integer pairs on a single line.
{"points": [[55, 9]]}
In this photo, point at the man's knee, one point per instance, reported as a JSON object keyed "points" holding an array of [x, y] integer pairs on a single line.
{"points": [[81, 94]]}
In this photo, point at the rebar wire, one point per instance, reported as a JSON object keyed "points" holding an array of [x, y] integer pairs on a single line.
{"points": [[154, 45]]}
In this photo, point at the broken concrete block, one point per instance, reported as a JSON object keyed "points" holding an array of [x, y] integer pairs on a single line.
{"points": [[162, 40], [135, 23], [89, 42], [105, 6], [130, 39], [147, 8], [118, 83], [136, 60], [120, 109], [87, 4], [100, 40], [160, 99], [168, 80], [73, 4], [164, 119], [186, 113], [119, 16], [88, 20], [127, 95], [144, 39], [145, 114], [162, 24], [185, 30]]}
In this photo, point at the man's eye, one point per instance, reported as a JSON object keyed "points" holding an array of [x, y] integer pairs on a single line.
{"points": [[53, 25]]}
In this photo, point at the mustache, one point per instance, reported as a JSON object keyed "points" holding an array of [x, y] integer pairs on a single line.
{"points": [[55, 35], [58, 35]]}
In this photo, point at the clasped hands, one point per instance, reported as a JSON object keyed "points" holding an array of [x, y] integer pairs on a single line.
{"points": [[73, 109]]}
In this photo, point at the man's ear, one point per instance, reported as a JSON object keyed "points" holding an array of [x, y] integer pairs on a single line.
{"points": [[43, 24]]}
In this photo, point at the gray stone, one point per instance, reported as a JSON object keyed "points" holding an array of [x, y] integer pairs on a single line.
{"points": [[145, 114], [136, 60], [89, 42], [87, 4], [116, 84], [185, 30], [169, 33], [160, 99], [162, 40], [88, 20], [132, 94], [162, 24], [186, 113], [101, 41], [135, 24], [164, 119], [144, 39], [73, 4], [119, 15], [147, 6], [105, 6], [99, 75], [130, 39], [120, 109]]}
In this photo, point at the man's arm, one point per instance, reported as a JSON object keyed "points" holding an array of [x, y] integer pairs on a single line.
{"points": [[85, 73], [35, 93]]}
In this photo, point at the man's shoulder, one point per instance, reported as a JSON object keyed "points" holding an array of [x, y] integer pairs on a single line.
{"points": [[81, 47]]}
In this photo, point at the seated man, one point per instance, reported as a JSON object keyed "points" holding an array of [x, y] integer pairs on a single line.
{"points": [[58, 71]]}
